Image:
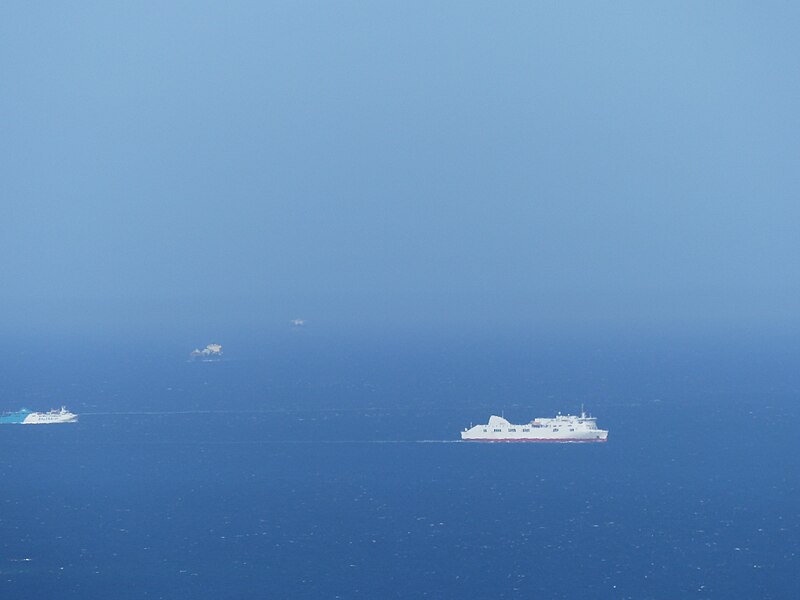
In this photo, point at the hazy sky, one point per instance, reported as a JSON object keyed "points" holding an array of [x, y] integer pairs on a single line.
{"points": [[535, 162]]}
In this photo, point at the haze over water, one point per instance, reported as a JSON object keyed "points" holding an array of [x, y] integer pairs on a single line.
{"points": [[474, 209], [209, 165]]}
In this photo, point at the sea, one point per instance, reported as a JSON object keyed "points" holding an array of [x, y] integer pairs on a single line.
{"points": [[305, 465]]}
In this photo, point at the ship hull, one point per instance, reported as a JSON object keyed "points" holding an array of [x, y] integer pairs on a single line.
{"points": [[34, 419], [538, 440]]}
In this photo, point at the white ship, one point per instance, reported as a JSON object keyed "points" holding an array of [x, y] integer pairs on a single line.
{"points": [[561, 428], [24, 417]]}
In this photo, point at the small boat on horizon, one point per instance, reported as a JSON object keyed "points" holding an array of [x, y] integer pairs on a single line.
{"points": [[210, 352]]}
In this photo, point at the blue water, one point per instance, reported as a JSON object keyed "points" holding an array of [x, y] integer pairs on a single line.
{"points": [[329, 468]]}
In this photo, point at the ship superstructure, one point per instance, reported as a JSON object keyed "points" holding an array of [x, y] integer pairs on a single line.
{"points": [[561, 428], [26, 417]]}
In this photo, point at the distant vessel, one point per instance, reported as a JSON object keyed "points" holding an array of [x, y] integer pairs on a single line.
{"points": [[26, 417], [210, 352], [561, 428]]}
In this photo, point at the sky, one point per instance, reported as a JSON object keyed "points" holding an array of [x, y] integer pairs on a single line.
{"points": [[536, 164]]}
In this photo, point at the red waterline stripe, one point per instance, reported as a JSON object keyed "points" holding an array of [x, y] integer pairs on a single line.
{"points": [[534, 440]]}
